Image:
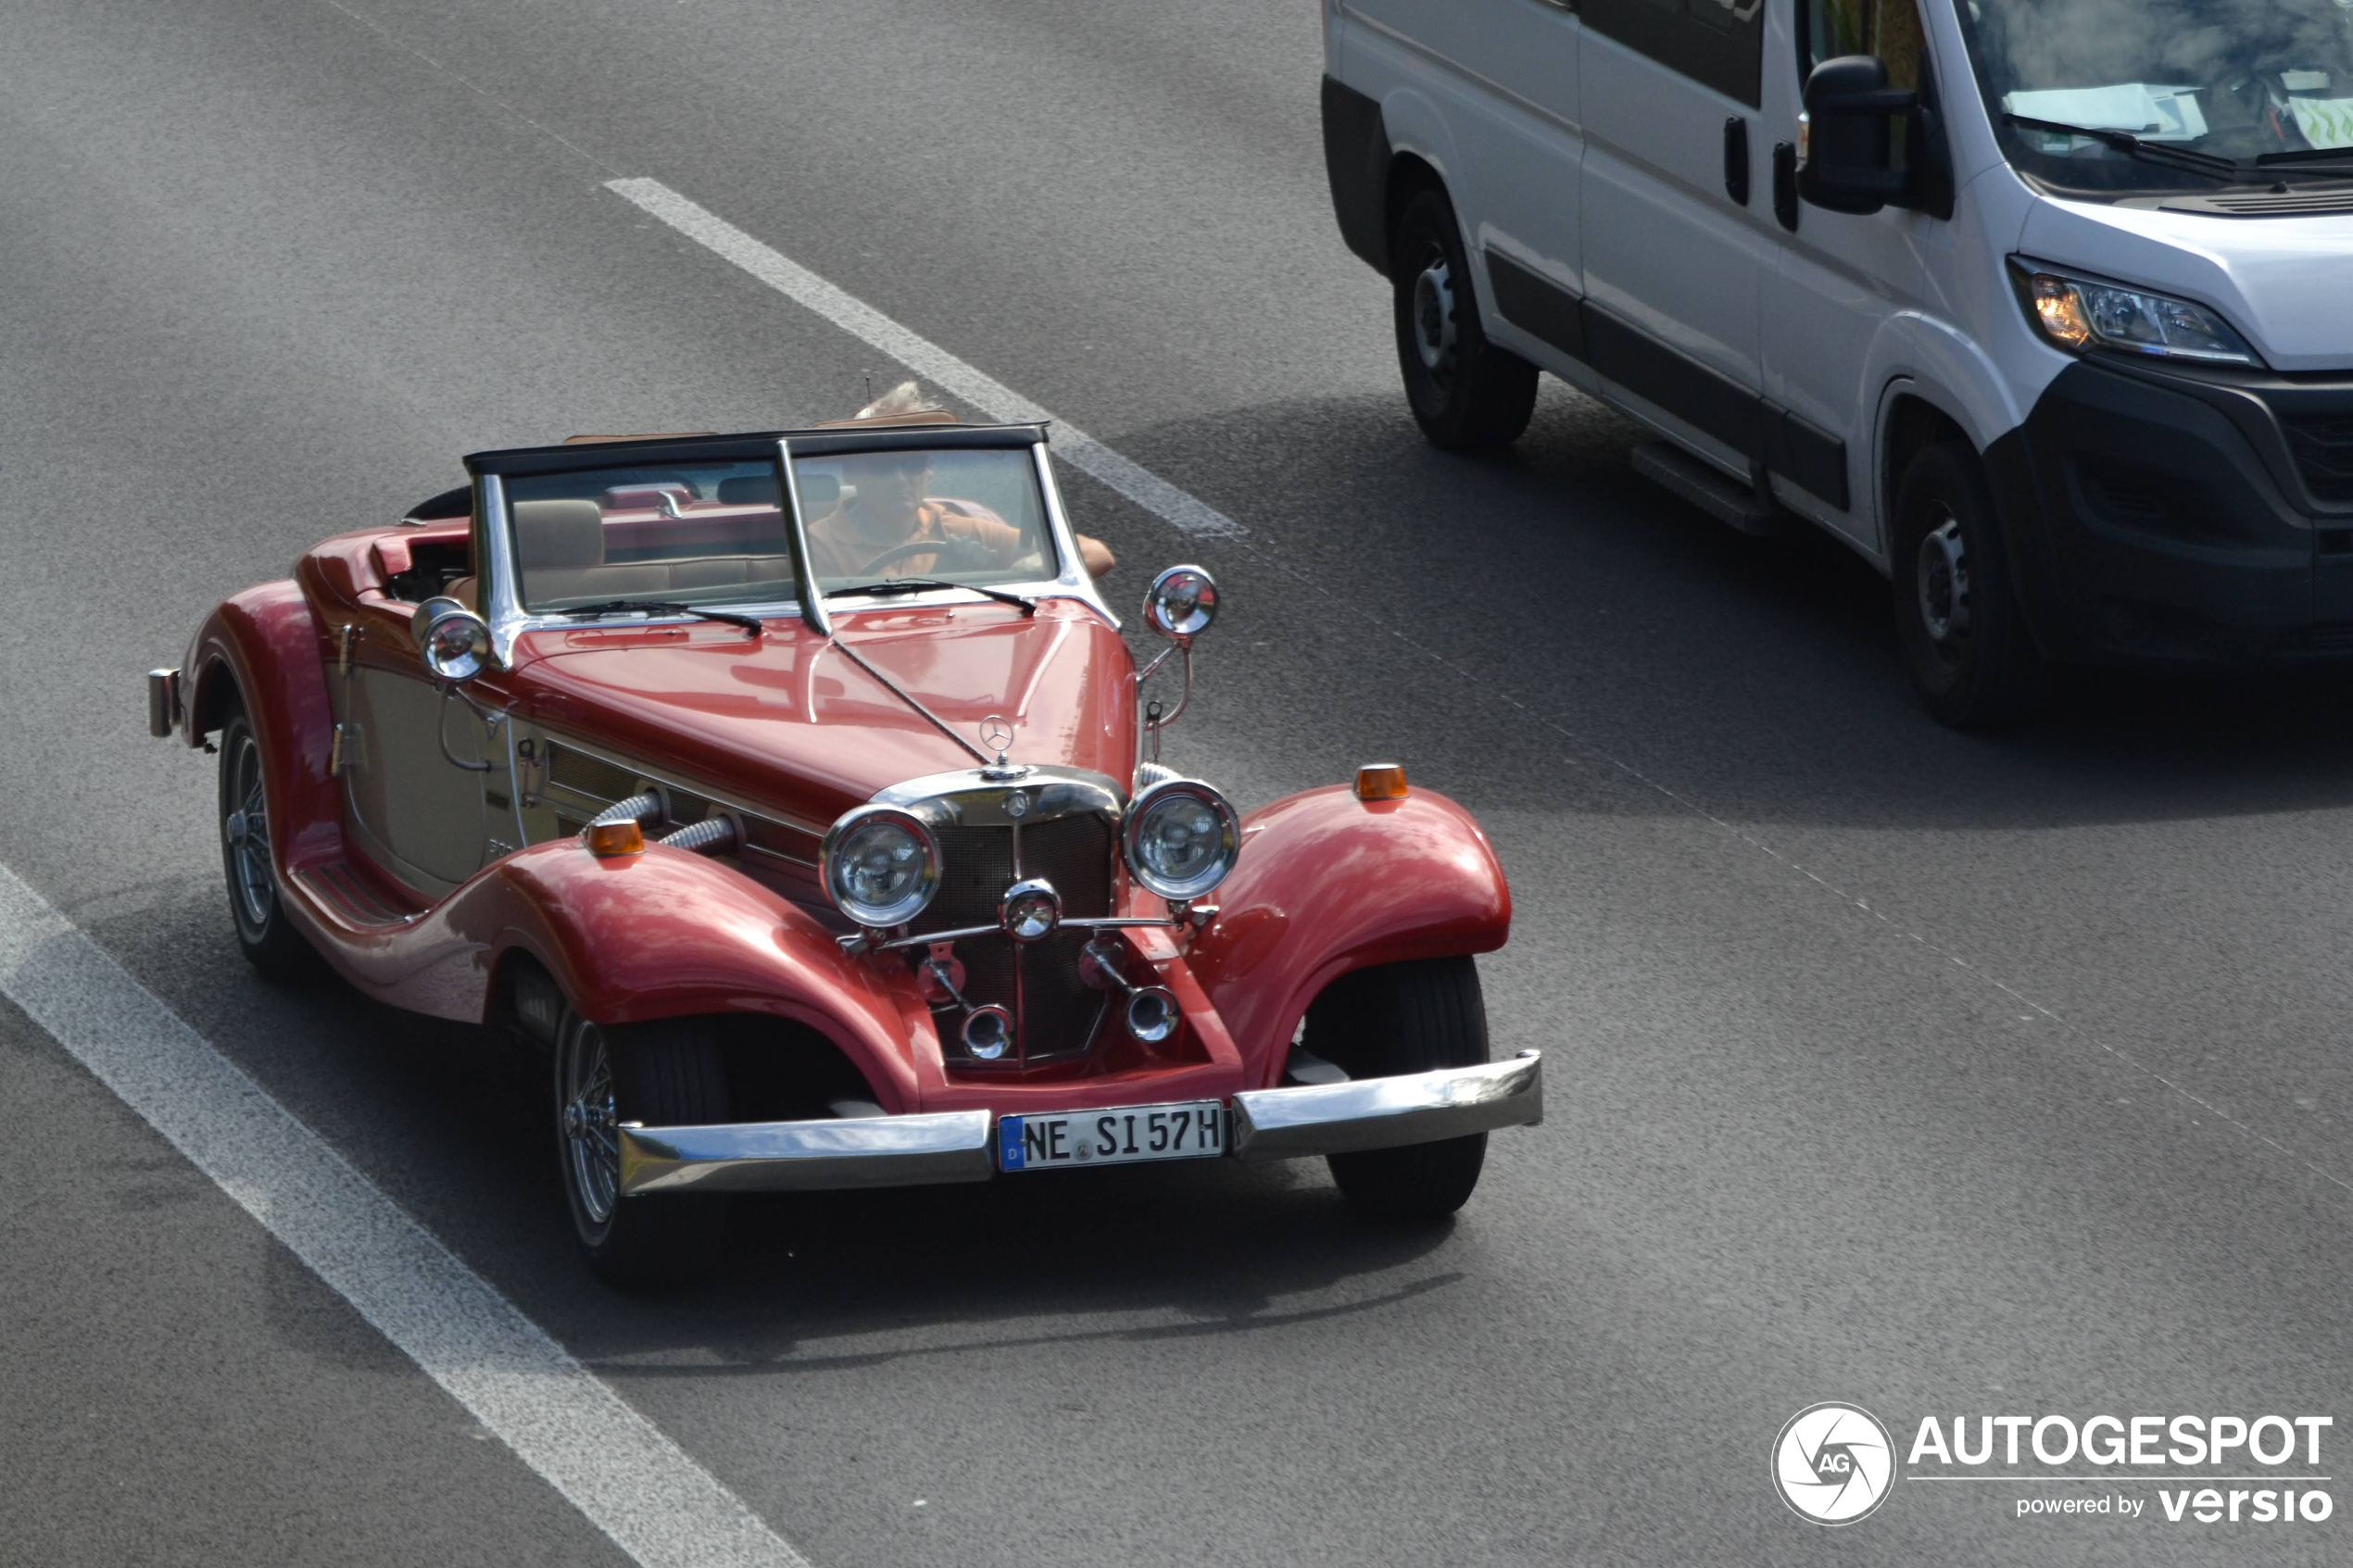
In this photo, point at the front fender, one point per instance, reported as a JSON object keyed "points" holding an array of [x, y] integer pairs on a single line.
{"points": [[1328, 883], [668, 934]]}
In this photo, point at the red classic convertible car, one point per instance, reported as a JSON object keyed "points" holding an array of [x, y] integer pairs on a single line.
{"points": [[796, 793]]}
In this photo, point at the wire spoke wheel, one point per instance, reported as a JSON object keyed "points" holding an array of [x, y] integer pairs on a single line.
{"points": [[592, 1152], [270, 941]]}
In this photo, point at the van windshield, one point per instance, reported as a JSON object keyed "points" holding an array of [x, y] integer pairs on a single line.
{"points": [[2236, 81]]}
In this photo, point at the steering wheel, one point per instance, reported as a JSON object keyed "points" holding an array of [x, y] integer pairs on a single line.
{"points": [[955, 555]]}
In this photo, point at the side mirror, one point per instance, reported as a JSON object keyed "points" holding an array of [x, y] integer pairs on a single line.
{"points": [[1182, 604], [1850, 159], [453, 639]]}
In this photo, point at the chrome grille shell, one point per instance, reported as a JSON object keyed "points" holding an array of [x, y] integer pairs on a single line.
{"points": [[1066, 831]]}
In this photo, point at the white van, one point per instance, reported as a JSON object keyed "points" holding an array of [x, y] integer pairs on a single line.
{"points": [[2054, 323]]}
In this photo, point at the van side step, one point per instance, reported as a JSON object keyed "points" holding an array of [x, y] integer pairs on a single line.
{"points": [[1727, 500]]}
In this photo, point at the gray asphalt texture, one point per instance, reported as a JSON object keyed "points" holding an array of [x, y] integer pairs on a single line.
{"points": [[1941, 1073]]}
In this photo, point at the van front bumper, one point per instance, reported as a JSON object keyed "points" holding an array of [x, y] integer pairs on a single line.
{"points": [[957, 1145], [2165, 514]]}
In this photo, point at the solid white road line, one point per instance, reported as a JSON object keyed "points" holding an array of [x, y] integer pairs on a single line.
{"points": [[614, 1464], [921, 355]]}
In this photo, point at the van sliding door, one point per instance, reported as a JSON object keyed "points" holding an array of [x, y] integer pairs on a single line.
{"points": [[1673, 263]]}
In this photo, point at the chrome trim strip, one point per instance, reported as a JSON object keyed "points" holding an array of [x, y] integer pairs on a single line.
{"points": [[870, 1151], [1385, 1113], [812, 598], [1075, 583], [1110, 922]]}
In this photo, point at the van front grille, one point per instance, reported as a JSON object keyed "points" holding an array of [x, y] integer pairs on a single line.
{"points": [[2324, 448]]}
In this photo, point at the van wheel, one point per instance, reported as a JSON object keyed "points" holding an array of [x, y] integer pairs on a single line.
{"points": [[268, 938], [1973, 661], [667, 1073], [1466, 391], [1405, 1018]]}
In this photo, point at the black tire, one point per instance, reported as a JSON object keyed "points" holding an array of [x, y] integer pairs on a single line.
{"points": [[666, 1073], [269, 941], [1405, 1018], [1973, 658], [1465, 393]]}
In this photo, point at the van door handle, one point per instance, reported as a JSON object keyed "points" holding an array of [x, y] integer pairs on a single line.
{"points": [[1736, 160], [1785, 185]]}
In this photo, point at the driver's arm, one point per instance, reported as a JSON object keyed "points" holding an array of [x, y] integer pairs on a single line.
{"points": [[1002, 540]]}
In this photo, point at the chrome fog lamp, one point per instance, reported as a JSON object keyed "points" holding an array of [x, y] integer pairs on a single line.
{"points": [[1030, 910], [1182, 838], [454, 640], [880, 866]]}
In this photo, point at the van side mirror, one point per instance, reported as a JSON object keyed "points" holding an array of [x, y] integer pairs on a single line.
{"points": [[1849, 112]]}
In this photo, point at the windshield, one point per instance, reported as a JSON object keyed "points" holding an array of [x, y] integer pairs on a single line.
{"points": [[2233, 78], [961, 515], [688, 532]]}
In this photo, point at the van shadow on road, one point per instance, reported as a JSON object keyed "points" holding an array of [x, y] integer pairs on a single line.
{"points": [[1487, 616]]}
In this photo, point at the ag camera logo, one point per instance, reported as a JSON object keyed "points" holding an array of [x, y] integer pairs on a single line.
{"points": [[1833, 1464]]}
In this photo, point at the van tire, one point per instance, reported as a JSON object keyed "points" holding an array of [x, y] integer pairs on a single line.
{"points": [[1973, 658], [1465, 393], [1412, 1017]]}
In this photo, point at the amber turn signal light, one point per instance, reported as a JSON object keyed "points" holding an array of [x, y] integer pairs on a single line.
{"points": [[1380, 781], [614, 838]]}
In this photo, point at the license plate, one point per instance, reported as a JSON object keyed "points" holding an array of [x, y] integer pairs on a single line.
{"points": [[1123, 1135]]}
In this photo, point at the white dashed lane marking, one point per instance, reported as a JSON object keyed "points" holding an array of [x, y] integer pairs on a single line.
{"points": [[560, 1418], [926, 359]]}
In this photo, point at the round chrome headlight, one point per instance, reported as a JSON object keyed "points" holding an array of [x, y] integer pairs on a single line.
{"points": [[881, 866], [1182, 838]]}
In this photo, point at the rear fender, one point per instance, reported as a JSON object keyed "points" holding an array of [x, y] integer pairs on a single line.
{"points": [[263, 647], [1328, 883]]}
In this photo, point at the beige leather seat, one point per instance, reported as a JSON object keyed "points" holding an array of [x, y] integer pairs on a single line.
{"points": [[560, 551]]}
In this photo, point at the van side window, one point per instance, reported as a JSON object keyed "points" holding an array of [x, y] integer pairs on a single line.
{"points": [[1718, 43], [1889, 29]]}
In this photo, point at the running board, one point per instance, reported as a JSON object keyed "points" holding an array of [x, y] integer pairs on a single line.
{"points": [[1727, 500]]}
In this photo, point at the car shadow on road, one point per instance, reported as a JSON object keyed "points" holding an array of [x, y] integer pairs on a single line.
{"points": [[1487, 615]]}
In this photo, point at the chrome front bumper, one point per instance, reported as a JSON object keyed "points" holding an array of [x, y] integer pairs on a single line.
{"points": [[1384, 1112], [956, 1146]]}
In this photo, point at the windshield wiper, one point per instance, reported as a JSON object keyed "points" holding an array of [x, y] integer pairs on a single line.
{"points": [[2133, 146], [2332, 160], [918, 584], [662, 606]]}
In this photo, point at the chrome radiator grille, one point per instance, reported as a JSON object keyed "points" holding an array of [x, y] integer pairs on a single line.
{"points": [[1056, 1012]]}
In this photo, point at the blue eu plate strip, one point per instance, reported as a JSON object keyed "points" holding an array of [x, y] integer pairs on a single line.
{"points": [[1009, 1155]]}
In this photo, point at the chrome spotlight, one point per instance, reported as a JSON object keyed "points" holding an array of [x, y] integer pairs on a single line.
{"points": [[1030, 910]]}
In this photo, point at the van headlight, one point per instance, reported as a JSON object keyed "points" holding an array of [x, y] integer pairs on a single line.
{"points": [[1182, 838], [881, 866], [2077, 314]]}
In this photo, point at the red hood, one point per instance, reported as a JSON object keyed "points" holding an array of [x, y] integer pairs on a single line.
{"points": [[792, 724]]}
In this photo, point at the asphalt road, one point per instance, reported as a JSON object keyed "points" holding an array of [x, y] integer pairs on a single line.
{"points": [[1945, 1074]]}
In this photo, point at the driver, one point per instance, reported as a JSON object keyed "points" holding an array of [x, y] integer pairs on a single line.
{"points": [[892, 509]]}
